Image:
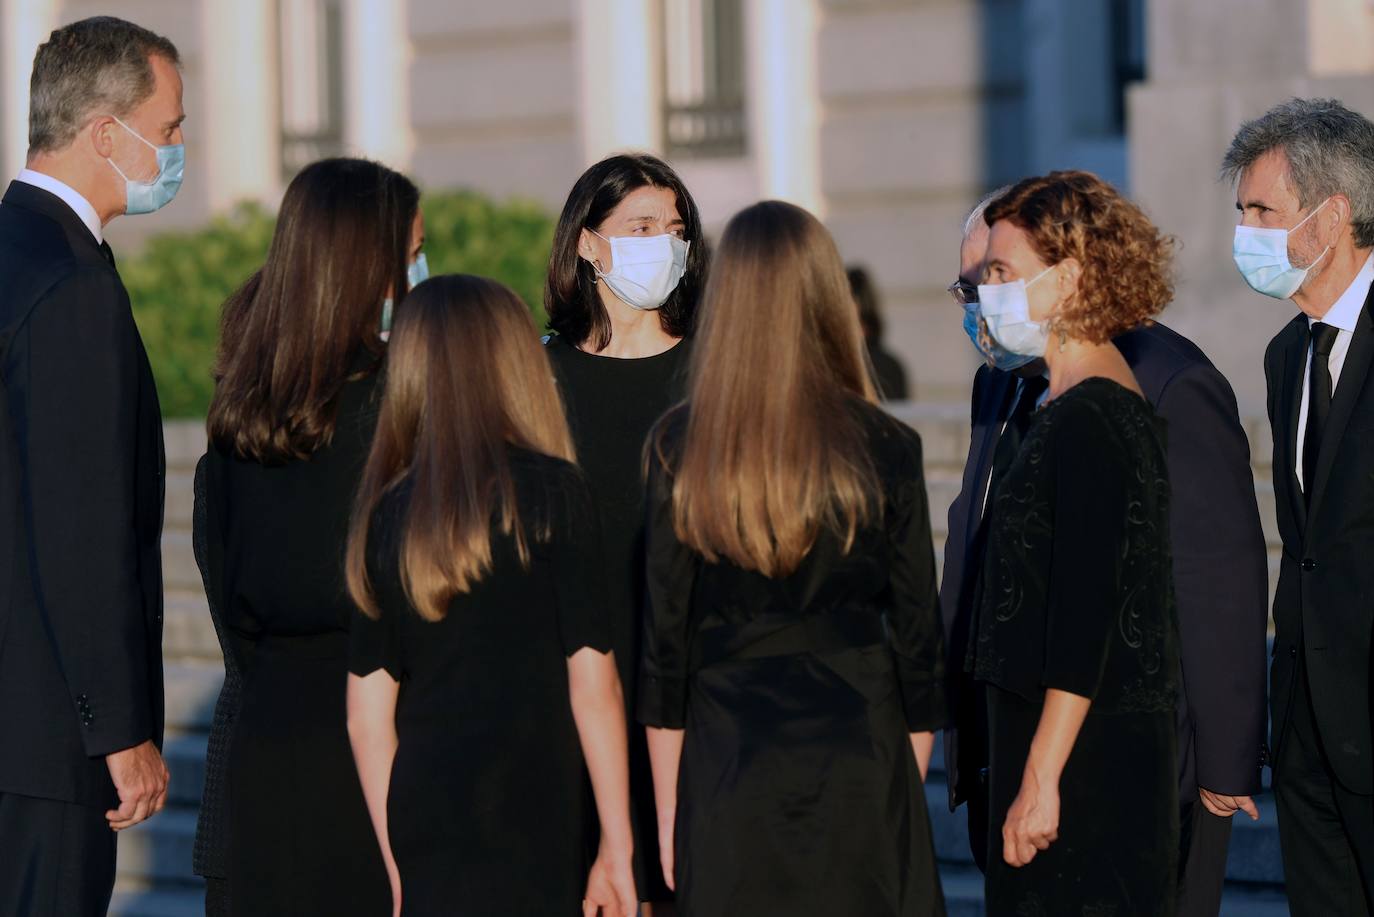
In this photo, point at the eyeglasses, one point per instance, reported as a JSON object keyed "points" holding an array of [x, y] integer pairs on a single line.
{"points": [[964, 293]]}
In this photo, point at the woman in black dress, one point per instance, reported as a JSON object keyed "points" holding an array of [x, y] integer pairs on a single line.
{"points": [[1076, 632], [283, 826], [481, 671], [792, 665], [628, 256]]}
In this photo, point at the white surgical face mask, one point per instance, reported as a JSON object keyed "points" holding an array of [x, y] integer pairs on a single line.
{"points": [[1006, 311], [1261, 256], [644, 269]]}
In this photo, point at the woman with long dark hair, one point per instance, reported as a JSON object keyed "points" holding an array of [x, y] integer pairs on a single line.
{"points": [[792, 670], [628, 260], [283, 825], [481, 668]]}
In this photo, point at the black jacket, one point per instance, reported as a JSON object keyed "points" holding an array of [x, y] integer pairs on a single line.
{"points": [[1219, 562], [81, 497], [1326, 578]]}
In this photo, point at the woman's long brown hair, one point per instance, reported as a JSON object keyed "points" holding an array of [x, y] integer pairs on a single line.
{"points": [[294, 333], [773, 452], [466, 378]]}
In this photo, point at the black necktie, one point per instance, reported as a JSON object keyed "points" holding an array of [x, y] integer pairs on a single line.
{"points": [[107, 252], [1018, 422], [1318, 403]]}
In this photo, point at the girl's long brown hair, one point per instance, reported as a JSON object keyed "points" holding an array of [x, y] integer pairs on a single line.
{"points": [[466, 378], [773, 451], [293, 334]]}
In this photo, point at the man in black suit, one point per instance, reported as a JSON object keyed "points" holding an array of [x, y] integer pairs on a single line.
{"points": [[1220, 576], [1305, 173], [81, 472]]}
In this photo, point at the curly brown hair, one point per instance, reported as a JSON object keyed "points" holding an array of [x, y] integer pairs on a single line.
{"points": [[1127, 263]]}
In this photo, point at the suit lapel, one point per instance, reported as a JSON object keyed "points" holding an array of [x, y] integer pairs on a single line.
{"points": [[1290, 404], [1348, 391], [986, 433]]}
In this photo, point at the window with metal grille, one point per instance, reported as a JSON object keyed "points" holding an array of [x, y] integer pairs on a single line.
{"points": [[310, 56], [703, 78]]}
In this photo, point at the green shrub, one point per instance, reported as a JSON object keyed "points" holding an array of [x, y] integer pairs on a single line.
{"points": [[179, 281]]}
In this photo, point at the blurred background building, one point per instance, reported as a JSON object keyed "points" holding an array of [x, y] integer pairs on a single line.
{"points": [[888, 118]]}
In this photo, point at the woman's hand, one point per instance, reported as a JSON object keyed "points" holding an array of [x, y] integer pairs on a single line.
{"points": [[611, 885], [1032, 821]]}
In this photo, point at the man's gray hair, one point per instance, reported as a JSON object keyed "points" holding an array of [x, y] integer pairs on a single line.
{"points": [[1330, 150], [975, 216], [98, 66]]}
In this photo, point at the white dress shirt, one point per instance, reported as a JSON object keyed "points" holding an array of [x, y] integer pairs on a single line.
{"points": [[1342, 316], [80, 206]]}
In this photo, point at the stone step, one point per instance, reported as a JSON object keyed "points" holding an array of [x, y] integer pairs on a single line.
{"points": [[179, 570], [191, 687], [187, 631], [184, 443], [188, 901], [180, 500], [158, 851]]}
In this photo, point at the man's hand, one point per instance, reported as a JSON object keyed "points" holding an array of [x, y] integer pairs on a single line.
{"points": [[1226, 806], [140, 778]]}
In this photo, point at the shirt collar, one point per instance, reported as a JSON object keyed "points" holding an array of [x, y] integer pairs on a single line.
{"points": [[1345, 312], [69, 195]]}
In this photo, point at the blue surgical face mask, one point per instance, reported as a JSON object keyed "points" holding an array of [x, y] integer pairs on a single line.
{"points": [[995, 355], [157, 192], [1261, 256], [417, 272]]}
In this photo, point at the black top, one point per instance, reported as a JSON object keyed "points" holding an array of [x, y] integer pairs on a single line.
{"points": [[1077, 590], [81, 495], [798, 790], [486, 808], [611, 405], [289, 828], [1219, 563]]}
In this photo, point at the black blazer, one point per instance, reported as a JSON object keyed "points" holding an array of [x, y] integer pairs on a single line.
{"points": [[81, 614], [1323, 603], [1220, 568]]}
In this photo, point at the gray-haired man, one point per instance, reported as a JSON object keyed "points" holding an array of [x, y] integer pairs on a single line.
{"points": [[1305, 192], [81, 473]]}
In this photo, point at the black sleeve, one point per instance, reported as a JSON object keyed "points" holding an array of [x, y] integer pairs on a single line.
{"points": [[377, 643], [578, 569], [1221, 577], [1089, 518], [81, 461], [671, 569], [914, 622]]}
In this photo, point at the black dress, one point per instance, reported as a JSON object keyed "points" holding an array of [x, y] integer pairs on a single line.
{"points": [[486, 805], [1077, 595], [299, 839], [798, 792], [611, 405]]}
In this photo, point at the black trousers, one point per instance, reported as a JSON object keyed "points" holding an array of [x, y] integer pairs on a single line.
{"points": [[57, 859], [1204, 840], [1326, 832]]}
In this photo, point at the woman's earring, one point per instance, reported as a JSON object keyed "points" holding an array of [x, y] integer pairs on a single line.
{"points": [[1063, 340]]}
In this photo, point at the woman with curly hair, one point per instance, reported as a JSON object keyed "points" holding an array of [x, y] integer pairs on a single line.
{"points": [[1076, 635]]}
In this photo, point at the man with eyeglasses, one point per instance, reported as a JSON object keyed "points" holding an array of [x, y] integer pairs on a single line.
{"points": [[1220, 575]]}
